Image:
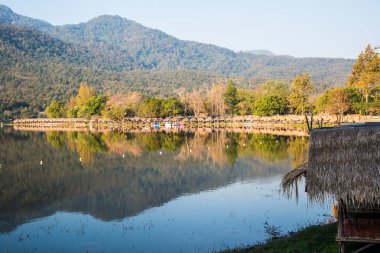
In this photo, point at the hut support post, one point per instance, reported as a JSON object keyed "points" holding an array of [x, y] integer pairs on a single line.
{"points": [[342, 248], [309, 124]]}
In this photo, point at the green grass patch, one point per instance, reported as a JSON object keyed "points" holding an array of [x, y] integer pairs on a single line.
{"points": [[320, 238], [313, 239]]}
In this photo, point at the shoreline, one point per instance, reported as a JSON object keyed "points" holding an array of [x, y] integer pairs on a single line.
{"points": [[276, 129]]}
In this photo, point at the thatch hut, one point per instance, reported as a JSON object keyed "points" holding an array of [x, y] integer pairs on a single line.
{"points": [[239, 119], [222, 119], [248, 119], [185, 121], [344, 163], [137, 120], [194, 120], [201, 119], [177, 119], [229, 119], [209, 120], [216, 119]]}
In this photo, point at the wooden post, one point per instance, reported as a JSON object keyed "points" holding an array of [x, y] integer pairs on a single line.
{"points": [[342, 248], [311, 123]]}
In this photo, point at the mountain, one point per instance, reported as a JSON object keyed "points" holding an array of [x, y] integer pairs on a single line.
{"points": [[7, 16], [260, 52], [41, 61]]}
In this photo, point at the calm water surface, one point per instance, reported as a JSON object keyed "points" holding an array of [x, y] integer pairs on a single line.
{"points": [[147, 192]]}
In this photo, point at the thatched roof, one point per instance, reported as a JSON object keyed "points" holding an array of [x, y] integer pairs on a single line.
{"points": [[344, 163], [238, 118], [209, 119]]}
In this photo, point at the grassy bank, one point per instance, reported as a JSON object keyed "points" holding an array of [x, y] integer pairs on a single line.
{"points": [[311, 239]]}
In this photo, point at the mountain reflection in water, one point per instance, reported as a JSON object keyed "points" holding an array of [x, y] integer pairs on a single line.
{"points": [[115, 175]]}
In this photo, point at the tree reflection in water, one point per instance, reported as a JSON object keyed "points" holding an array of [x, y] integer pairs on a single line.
{"points": [[113, 175]]}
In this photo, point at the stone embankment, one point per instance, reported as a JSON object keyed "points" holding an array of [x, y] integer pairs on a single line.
{"points": [[279, 125], [186, 121]]}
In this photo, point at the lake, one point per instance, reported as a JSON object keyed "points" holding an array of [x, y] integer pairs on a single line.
{"points": [[194, 191]]}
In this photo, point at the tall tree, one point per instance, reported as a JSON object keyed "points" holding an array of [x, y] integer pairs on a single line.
{"points": [[230, 97], [215, 100], [196, 102], [300, 91], [366, 72], [338, 102], [85, 93], [183, 95], [246, 100]]}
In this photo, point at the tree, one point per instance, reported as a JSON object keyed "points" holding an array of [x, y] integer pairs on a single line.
{"points": [[366, 72], [72, 112], [321, 103], [215, 100], [94, 106], [356, 100], [270, 105], [338, 102], [274, 88], [120, 106], [183, 95], [301, 88], [56, 110], [117, 113], [171, 107], [150, 107], [230, 97], [246, 102], [85, 93], [196, 102]]}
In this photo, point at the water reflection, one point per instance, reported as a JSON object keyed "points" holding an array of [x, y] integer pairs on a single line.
{"points": [[220, 147], [113, 175]]}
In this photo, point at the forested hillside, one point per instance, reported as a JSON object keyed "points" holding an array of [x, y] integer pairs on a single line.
{"points": [[40, 62]]}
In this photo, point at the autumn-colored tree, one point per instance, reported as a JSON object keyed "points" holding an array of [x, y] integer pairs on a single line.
{"points": [[85, 93], [366, 72], [338, 102], [215, 100], [300, 90], [196, 102], [120, 106], [183, 95]]}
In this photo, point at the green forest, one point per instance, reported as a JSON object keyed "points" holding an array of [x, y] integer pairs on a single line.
{"points": [[361, 95]]}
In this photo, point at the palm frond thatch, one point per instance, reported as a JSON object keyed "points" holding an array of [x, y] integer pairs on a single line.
{"points": [[343, 163]]}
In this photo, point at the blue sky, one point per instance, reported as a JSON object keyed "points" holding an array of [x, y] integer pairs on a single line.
{"points": [[325, 28]]}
